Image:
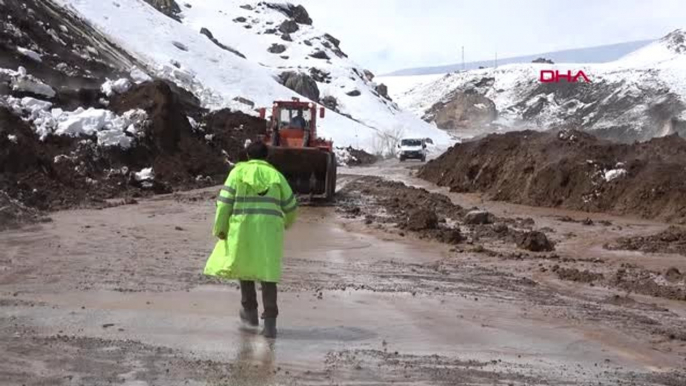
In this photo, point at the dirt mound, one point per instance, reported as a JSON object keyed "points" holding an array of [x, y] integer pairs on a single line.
{"points": [[61, 172], [669, 285], [572, 170], [229, 130], [361, 157], [671, 240], [429, 215], [177, 154]]}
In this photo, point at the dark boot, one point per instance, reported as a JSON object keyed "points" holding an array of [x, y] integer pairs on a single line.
{"points": [[250, 317], [269, 330]]}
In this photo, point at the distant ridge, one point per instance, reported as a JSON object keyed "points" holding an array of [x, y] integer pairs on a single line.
{"points": [[599, 54]]}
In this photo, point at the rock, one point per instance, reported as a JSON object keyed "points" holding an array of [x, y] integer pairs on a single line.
{"points": [[244, 101], [284, 57], [300, 15], [180, 46], [289, 27], [382, 89], [320, 75], [167, 7], [240, 19], [297, 13], [301, 83], [330, 102], [270, 31], [354, 93], [332, 39], [478, 217], [500, 228], [422, 219], [451, 236], [307, 43], [247, 7], [673, 275], [369, 75], [210, 36], [276, 48], [287, 37], [535, 241], [319, 54], [207, 33], [463, 110]]}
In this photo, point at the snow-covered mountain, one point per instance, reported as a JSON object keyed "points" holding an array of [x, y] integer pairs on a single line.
{"points": [[243, 55], [637, 97]]}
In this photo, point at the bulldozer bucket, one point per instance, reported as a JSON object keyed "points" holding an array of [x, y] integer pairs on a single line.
{"points": [[308, 170]]}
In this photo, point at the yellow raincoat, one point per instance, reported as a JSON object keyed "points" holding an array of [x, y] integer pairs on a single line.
{"points": [[254, 207]]}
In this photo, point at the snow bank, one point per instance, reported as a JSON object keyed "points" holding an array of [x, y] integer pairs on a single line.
{"points": [[139, 76], [146, 174], [109, 128], [111, 87], [22, 82], [343, 156]]}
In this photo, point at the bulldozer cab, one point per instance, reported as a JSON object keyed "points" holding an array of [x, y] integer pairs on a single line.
{"points": [[294, 117], [293, 124], [307, 161]]}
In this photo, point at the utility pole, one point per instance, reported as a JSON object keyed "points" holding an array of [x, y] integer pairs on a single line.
{"points": [[463, 58]]}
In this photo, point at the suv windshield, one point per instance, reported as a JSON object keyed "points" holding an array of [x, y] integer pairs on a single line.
{"points": [[411, 142]]}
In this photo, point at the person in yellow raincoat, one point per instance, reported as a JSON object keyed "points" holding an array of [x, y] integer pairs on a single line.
{"points": [[254, 207]]}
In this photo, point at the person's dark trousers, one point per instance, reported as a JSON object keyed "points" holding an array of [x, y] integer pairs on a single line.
{"points": [[249, 298]]}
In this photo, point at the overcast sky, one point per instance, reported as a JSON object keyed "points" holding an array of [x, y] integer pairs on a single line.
{"points": [[387, 35]]}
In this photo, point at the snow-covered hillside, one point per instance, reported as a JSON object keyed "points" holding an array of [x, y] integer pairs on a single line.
{"points": [[242, 66], [637, 97]]}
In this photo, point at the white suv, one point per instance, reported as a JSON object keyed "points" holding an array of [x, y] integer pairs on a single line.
{"points": [[412, 148]]}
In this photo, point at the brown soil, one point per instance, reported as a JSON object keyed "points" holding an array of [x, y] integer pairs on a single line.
{"points": [[670, 284], [671, 240], [361, 157], [567, 170], [432, 215], [573, 274]]}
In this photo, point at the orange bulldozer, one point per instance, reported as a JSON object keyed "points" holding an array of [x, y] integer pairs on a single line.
{"points": [[307, 161]]}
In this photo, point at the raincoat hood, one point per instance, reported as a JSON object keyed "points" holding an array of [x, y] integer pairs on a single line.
{"points": [[257, 174]]}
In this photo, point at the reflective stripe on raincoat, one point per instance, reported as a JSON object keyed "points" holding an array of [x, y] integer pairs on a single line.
{"points": [[254, 207]]}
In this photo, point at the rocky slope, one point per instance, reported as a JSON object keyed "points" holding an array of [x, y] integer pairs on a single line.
{"points": [[638, 97], [244, 55]]}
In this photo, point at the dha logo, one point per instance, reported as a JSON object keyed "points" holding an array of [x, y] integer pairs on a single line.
{"points": [[550, 76]]}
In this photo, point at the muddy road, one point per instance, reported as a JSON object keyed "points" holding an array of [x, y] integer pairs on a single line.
{"points": [[116, 296]]}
